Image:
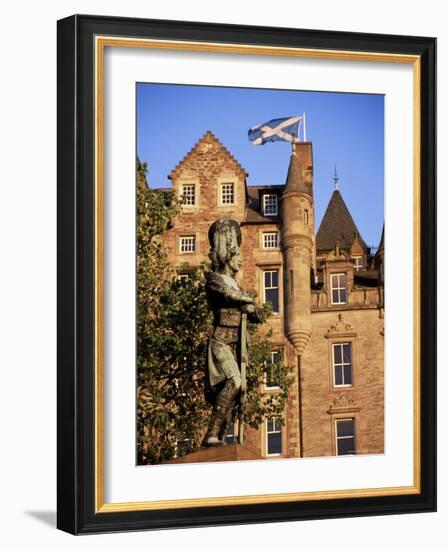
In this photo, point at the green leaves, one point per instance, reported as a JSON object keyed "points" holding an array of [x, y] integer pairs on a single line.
{"points": [[172, 323]]}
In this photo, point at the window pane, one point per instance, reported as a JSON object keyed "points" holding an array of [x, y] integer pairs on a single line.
{"points": [[335, 296], [276, 376], [337, 354], [346, 446], [272, 296], [347, 349], [347, 374], [338, 376], [342, 296], [187, 244], [267, 279], [274, 278], [275, 443], [270, 204], [345, 428], [188, 193], [227, 196], [270, 424], [342, 281], [270, 240], [273, 377], [273, 370]]}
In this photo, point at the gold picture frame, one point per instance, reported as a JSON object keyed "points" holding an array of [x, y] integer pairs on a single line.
{"points": [[83, 41]]}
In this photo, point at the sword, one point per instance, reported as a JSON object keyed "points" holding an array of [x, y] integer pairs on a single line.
{"points": [[243, 366]]}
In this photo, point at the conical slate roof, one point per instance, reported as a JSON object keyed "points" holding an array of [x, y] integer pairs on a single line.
{"points": [[337, 225]]}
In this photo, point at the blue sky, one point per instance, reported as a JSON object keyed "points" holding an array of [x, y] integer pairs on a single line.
{"points": [[345, 129]]}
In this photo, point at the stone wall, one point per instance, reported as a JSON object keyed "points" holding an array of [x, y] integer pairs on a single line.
{"points": [[322, 402]]}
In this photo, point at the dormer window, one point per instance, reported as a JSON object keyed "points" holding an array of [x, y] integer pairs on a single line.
{"points": [[270, 205], [338, 288], [227, 195], [357, 266]]}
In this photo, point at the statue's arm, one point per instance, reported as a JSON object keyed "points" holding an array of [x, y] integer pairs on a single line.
{"points": [[216, 285], [255, 314]]}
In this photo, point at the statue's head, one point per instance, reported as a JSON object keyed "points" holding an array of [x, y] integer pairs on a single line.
{"points": [[225, 240]]}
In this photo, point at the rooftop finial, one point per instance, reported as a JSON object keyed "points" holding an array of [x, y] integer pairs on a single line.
{"points": [[336, 179]]}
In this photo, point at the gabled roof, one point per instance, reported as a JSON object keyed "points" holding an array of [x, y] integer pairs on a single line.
{"points": [[337, 225], [207, 138]]}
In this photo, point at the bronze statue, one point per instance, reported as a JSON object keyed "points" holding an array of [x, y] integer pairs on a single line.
{"points": [[228, 343]]}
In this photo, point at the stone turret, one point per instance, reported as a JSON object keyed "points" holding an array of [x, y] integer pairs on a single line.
{"points": [[298, 245]]}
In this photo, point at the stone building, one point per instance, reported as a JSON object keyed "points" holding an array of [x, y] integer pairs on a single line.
{"points": [[325, 286]]}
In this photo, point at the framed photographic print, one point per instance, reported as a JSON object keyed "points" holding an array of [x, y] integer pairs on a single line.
{"points": [[246, 274]]}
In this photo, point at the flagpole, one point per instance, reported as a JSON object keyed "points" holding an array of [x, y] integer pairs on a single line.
{"points": [[304, 127]]}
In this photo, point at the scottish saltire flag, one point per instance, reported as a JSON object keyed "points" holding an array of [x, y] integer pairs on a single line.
{"points": [[278, 129]]}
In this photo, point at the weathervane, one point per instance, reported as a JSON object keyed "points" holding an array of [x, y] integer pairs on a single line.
{"points": [[336, 179]]}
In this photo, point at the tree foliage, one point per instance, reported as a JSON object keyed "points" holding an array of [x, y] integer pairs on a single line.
{"points": [[173, 323]]}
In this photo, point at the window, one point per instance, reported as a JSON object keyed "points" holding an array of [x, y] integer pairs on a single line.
{"points": [[342, 364], [345, 436], [273, 436], [338, 288], [227, 193], [183, 277], [358, 263], [187, 244], [270, 240], [272, 370], [189, 194], [271, 289], [270, 205], [306, 217]]}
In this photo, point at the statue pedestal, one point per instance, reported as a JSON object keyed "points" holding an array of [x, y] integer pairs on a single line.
{"points": [[217, 454]]}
